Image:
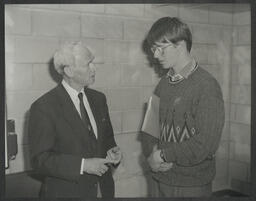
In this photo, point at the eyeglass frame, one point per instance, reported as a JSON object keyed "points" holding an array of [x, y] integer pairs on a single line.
{"points": [[161, 49]]}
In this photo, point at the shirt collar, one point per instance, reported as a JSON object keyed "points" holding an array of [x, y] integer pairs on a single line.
{"points": [[184, 73], [71, 91]]}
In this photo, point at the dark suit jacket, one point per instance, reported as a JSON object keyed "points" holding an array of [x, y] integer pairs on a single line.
{"points": [[59, 140]]}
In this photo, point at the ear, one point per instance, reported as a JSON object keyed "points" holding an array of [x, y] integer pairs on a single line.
{"points": [[182, 45], [68, 70]]}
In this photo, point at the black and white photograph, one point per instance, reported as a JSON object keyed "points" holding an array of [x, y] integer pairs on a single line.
{"points": [[145, 100]]}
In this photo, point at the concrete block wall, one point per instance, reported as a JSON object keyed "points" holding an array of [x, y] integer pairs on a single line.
{"points": [[240, 114], [115, 33]]}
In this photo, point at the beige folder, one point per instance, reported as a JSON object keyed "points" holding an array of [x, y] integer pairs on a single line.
{"points": [[151, 121]]}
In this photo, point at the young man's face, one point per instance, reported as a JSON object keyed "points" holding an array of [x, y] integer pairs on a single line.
{"points": [[166, 53]]}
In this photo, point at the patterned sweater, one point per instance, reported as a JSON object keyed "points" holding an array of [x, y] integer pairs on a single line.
{"points": [[191, 122]]}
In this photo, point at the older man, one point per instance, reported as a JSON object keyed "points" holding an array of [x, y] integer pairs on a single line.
{"points": [[72, 141]]}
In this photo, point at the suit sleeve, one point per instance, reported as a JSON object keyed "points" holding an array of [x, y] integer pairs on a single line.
{"points": [[109, 133], [44, 157], [209, 120]]}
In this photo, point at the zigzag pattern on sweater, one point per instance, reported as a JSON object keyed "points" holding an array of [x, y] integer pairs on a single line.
{"points": [[172, 133]]}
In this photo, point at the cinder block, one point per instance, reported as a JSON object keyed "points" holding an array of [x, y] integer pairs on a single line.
{"points": [[242, 60], [234, 72], [241, 94], [136, 29], [9, 48], [116, 120], [221, 169], [222, 152], [232, 112], [244, 73], [225, 131], [205, 33], [136, 76], [132, 99], [133, 187], [194, 15], [243, 114], [156, 75], [115, 97], [244, 187], [238, 170], [219, 184], [125, 9], [136, 54], [212, 34], [22, 160], [225, 91], [216, 17], [86, 8], [225, 36], [17, 20], [147, 92], [215, 71], [132, 120], [244, 35], [43, 6], [240, 152], [242, 18], [107, 75], [212, 54], [18, 76], [240, 133], [116, 51], [223, 57], [43, 77], [102, 27], [21, 128], [48, 23], [200, 52], [227, 111], [19, 103], [157, 11], [35, 49]]}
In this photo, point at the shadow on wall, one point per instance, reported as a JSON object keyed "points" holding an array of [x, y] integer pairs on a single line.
{"points": [[54, 74]]}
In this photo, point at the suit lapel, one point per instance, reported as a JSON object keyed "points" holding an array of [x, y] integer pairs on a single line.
{"points": [[95, 111], [70, 113]]}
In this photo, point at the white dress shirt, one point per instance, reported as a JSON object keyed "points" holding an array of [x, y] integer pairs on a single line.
{"points": [[74, 97]]}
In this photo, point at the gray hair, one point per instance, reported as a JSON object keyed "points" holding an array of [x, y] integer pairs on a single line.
{"points": [[66, 55]]}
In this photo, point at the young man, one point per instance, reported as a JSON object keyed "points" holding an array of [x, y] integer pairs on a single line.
{"points": [[191, 115], [72, 141]]}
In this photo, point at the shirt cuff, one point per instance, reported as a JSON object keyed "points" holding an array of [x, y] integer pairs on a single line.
{"points": [[82, 167], [157, 156]]}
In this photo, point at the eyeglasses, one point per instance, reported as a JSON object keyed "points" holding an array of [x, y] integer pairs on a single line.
{"points": [[160, 49]]}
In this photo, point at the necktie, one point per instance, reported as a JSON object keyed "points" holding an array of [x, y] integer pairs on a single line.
{"points": [[84, 114]]}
